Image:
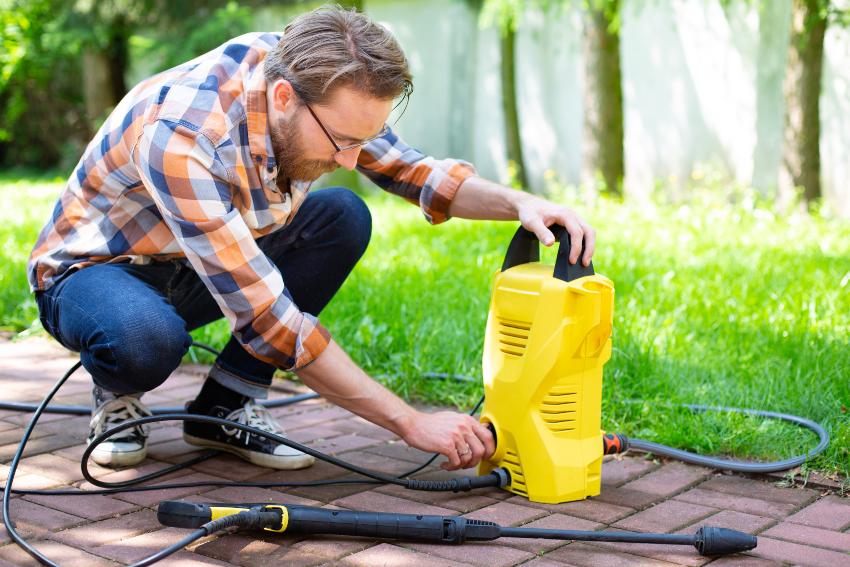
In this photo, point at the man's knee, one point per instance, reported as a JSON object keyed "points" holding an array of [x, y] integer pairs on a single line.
{"points": [[138, 355]]}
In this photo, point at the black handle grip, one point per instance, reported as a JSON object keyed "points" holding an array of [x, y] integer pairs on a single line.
{"points": [[525, 248], [440, 529]]}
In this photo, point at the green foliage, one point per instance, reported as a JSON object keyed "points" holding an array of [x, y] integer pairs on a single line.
{"points": [[38, 70], [199, 35]]}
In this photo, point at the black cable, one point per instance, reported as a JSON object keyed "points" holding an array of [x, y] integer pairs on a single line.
{"points": [[735, 465]]}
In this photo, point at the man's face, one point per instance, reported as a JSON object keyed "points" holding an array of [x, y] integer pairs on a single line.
{"points": [[302, 149]]}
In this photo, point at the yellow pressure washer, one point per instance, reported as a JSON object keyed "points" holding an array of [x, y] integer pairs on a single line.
{"points": [[548, 337]]}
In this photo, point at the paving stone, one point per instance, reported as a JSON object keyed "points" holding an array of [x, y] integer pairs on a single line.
{"points": [[63, 470], [752, 488], [331, 547], [188, 559], [230, 467], [154, 497], [375, 501], [629, 498], [460, 502], [543, 562], [238, 494], [551, 522], [65, 555], [620, 471], [360, 426], [590, 509], [343, 443], [386, 554], [736, 502], [314, 433], [665, 517], [91, 507], [810, 536], [27, 513], [584, 555], [329, 493], [34, 482], [400, 450], [94, 534], [799, 554], [831, 512], [669, 479], [744, 561], [675, 554], [506, 514], [47, 444], [377, 463], [135, 548], [747, 523], [486, 554]]}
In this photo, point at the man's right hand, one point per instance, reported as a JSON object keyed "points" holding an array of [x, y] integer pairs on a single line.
{"points": [[461, 438]]}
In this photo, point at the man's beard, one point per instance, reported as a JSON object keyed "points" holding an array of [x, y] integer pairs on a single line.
{"points": [[288, 148]]}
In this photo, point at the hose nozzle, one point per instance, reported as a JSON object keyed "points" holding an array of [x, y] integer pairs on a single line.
{"points": [[722, 541]]}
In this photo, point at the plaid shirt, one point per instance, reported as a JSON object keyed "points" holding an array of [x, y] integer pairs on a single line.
{"points": [[184, 167]]}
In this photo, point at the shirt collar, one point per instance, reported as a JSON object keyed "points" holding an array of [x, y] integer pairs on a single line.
{"points": [[259, 134]]}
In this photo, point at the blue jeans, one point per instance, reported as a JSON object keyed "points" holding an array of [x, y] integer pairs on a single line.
{"points": [[130, 323]]}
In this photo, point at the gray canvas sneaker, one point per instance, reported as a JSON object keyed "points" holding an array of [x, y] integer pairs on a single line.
{"points": [[130, 447]]}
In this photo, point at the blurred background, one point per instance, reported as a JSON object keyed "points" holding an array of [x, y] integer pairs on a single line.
{"points": [[625, 96]]}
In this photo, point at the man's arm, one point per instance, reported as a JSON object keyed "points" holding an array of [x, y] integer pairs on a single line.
{"points": [[478, 198], [338, 379]]}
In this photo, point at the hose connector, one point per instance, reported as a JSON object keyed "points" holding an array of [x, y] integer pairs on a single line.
{"points": [[497, 478]]}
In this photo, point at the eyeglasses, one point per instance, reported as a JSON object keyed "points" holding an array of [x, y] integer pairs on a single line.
{"points": [[336, 146]]}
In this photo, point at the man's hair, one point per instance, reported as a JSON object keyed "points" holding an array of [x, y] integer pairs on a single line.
{"points": [[332, 47]]}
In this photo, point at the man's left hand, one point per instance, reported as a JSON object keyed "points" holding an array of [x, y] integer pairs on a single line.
{"points": [[538, 214]]}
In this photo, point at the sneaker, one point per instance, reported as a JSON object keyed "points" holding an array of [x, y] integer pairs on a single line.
{"points": [[255, 449], [131, 447]]}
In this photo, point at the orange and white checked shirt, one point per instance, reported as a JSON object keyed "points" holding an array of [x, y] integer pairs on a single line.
{"points": [[184, 167]]}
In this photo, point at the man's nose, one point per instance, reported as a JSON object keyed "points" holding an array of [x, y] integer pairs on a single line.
{"points": [[348, 158]]}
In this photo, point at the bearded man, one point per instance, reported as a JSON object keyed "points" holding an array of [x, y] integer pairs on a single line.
{"points": [[191, 204]]}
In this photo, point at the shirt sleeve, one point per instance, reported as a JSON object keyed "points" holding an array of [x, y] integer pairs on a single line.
{"points": [[405, 171], [189, 184]]}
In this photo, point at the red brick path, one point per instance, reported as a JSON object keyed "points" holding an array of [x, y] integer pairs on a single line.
{"points": [[799, 526]]}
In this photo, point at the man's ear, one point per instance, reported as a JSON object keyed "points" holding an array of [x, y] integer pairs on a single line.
{"points": [[282, 94]]}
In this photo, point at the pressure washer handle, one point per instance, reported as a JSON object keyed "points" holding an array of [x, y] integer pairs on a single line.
{"points": [[525, 248], [309, 520]]}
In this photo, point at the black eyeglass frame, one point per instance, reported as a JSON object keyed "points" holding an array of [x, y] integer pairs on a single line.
{"points": [[337, 147]]}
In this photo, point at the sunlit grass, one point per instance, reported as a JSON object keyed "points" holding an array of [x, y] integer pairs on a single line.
{"points": [[716, 304]]}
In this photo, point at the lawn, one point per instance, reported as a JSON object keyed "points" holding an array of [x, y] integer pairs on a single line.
{"points": [[717, 303]]}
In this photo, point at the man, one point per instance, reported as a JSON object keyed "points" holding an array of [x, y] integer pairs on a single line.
{"points": [[192, 203]]}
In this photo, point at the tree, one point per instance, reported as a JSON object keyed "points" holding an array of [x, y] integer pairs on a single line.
{"points": [[603, 153], [506, 15], [801, 155]]}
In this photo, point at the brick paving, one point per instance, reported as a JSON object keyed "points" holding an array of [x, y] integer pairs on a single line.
{"points": [[796, 525]]}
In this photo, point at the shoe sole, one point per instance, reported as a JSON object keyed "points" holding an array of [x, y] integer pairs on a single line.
{"points": [[123, 459], [259, 459]]}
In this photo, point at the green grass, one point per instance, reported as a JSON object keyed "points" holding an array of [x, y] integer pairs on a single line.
{"points": [[716, 303]]}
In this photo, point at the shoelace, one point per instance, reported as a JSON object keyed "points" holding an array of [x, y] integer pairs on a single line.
{"points": [[253, 415], [118, 411]]}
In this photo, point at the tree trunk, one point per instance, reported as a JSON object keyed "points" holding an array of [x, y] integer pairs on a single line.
{"points": [[603, 152], [97, 86], [513, 141], [801, 155]]}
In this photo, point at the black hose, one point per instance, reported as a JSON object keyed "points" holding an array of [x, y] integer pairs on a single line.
{"points": [[734, 465]]}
